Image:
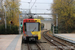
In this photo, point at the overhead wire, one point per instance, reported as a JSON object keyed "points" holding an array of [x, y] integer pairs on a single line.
{"points": [[29, 3], [34, 9], [33, 4], [36, 3]]}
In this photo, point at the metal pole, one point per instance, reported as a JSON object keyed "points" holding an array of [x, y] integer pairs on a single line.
{"points": [[56, 19], [25, 15], [19, 25], [29, 5], [56, 23], [5, 20], [53, 27]]}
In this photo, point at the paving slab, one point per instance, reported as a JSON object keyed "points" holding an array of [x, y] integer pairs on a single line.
{"points": [[19, 43], [10, 42], [67, 37]]}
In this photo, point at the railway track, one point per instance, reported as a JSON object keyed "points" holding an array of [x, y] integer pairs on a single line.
{"points": [[39, 47], [33, 46], [59, 45]]}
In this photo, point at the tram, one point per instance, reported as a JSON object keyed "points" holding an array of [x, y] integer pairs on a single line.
{"points": [[31, 29]]}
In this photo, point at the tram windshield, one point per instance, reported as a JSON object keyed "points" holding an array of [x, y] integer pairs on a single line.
{"points": [[32, 26]]}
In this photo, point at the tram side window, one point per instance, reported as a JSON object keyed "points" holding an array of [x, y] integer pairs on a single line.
{"points": [[38, 26], [25, 26]]}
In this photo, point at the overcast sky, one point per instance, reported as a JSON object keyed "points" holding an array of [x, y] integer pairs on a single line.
{"points": [[40, 6]]}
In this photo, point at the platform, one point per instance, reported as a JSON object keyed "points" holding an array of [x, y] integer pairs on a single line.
{"points": [[10, 42], [68, 37]]}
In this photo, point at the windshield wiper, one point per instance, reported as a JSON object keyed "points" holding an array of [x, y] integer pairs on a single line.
{"points": [[34, 29]]}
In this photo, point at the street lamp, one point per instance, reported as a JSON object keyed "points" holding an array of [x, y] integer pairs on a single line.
{"points": [[5, 17]]}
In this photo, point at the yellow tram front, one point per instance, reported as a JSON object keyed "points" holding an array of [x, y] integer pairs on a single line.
{"points": [[31, 29]]}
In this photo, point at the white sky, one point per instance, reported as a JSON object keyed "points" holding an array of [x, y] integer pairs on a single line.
{"points": [[40, 6]]}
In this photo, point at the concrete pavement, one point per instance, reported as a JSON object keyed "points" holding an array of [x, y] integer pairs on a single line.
{"points": [[67, 37], [10, 42]]}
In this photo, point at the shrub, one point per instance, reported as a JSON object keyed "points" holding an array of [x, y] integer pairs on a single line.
{"points": [[12, 30]]}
